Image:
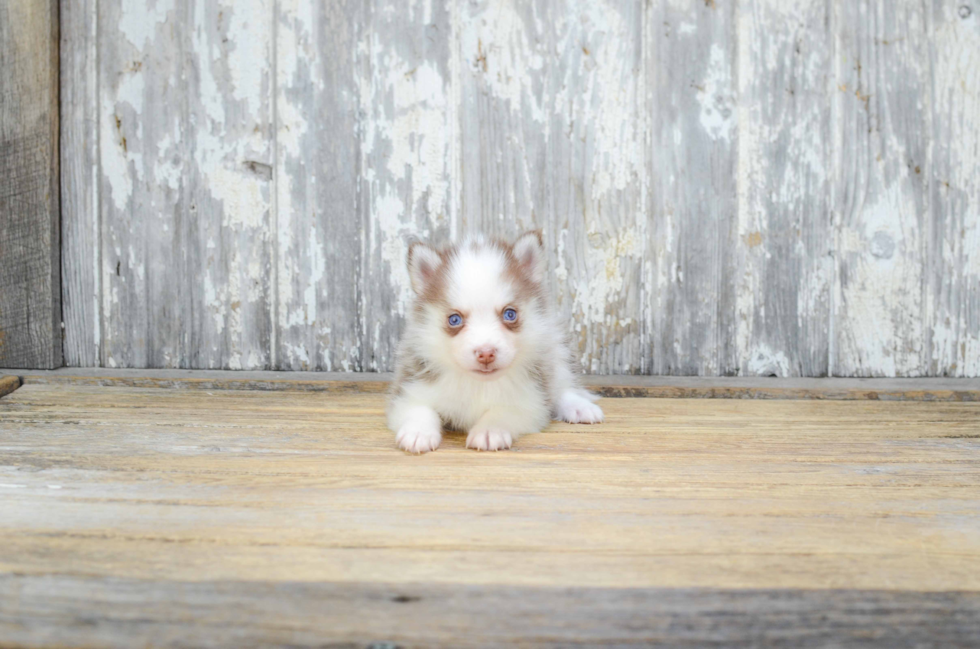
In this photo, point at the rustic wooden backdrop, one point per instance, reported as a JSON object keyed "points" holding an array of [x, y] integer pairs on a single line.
{"points": [[752, 187], [30, 292]]}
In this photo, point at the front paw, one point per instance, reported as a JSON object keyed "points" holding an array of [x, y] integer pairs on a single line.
{"points": [[576, 409], [489, 439], [415, 438]]}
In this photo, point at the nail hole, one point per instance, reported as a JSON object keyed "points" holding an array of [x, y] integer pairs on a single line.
{"points": [[404, 599]]}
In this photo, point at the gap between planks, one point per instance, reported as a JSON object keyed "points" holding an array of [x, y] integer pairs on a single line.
{"points": [[675, 387]]}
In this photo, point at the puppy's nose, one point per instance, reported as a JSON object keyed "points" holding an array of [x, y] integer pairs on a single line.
{"points": [[486, 354]]}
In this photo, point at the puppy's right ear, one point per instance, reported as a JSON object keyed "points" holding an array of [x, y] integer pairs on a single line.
{"points": [[423, 263]]}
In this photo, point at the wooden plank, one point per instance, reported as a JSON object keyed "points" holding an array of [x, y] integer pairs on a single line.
{"points": [[186, 183], [318, 50], [221, 380], [168, 485], [208, 217], [785, 261], [69, 610], [142, 156], [80, 209], [30, 271], [691, 277], [952, 319], [406, 142], [552, 136], [243, 518], [883, 204], [609, 386], [227, 233]]}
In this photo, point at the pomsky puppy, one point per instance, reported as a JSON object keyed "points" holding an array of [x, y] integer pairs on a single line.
{"points": [[483, 351]]}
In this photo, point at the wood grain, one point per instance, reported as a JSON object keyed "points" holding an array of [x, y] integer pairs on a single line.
{"points": [[81, 248], [785, 256], [883, 202], [672, 387], [318, 235], [552, 123], [309, 487], [30, 270], [406, 142], [756, 188], [952, 309], [691, 72], [186, 152], [69, 610], [166, 511]]}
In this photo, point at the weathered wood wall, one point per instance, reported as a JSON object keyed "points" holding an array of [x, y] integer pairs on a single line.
{"points": [[761, 187], [30, 271]]}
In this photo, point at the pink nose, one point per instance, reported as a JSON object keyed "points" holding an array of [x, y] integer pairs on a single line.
{"points": [[485, 355]]}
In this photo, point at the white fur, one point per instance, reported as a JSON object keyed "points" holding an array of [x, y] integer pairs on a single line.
{"points": [[494, 408]]}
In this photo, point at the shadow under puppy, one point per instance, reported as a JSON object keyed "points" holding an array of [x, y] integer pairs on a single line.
{"points": [[483, 351]]}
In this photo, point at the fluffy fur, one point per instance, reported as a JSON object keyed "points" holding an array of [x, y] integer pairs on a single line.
{"points": [[501, 368]]}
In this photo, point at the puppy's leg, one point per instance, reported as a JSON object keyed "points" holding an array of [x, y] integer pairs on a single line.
{"points": [[418, 429], [497, 429], [491, 432], [576, 407]]}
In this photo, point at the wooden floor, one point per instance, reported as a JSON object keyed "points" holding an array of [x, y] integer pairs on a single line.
{"points": [[164, 517]]}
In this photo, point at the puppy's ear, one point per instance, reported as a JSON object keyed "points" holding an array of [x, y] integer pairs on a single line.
{"points": [[423, 263], [529, 253]]}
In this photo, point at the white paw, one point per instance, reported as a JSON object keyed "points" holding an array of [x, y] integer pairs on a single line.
{"points": [[576, 409], [416, 438], [489, 439]]}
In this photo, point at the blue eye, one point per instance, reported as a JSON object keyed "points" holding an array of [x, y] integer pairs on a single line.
{"points": [[455, 320], [510, 315]]}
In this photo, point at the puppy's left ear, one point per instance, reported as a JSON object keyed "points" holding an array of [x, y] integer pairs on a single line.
{"points": [[529, 253], [423, 263]]}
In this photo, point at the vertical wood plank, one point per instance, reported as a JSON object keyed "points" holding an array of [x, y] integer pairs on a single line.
{"points": [[691, 90], [406, 142], [30, 269], [953, 252], [142, 153], [317, 164], [186, 156], [227, 232], [80, 233], [882, 172], [785, 262], [552, 129]]}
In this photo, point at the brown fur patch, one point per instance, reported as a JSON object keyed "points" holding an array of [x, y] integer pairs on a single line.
{"points": [[411, 368], [434, 292], [527, 291]]}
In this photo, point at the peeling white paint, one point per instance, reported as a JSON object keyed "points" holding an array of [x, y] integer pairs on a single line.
{"points": [[406, 155], [139, 19], [249, 74], [605, 260], [115, 161], [766, 362], [565, 87], [418, 132], [882, 299], [715, 95], [497, 48]]}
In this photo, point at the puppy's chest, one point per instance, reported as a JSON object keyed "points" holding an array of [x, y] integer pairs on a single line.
{"points": [[463, 402]]}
